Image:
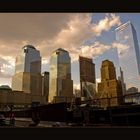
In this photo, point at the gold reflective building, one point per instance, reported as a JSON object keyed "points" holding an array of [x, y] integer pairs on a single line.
{"points": [[60, 83], [109, 89]]}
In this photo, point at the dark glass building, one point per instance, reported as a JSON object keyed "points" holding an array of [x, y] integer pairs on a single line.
{"points": [[87, 77]]}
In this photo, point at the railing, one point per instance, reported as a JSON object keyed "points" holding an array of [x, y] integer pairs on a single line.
{"points": [[100, 102]]}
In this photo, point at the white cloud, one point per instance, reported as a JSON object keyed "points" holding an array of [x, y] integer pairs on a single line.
{"points": [[48, 32], [76, 86], [78, 30], [98, 80], [121, 47], [99, 48], [105, 24], [94, 50], [6, 67], [44, 61]]}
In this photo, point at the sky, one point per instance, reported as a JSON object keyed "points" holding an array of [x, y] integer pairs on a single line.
{"points": [[87, 34]]}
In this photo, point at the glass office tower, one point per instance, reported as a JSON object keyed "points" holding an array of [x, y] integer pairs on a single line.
{"points": [[27, 77], [129, 58], [29, 60], [60, 83]]}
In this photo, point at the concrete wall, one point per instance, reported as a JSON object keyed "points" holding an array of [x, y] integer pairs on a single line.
{"points": [[20, 98]]}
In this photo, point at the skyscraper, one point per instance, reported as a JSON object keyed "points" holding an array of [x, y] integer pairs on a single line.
{"points": [[108, 71], [27, 76], [129, 58], [112, 55], [45, 84], [109, 87], [28, 60], [87, 77], [121, 78], [60, 83]]}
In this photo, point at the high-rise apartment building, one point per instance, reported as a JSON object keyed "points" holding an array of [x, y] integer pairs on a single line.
{"points": [[129, 57], [109, 89], [60, 83], [87, 77], [27, 76]]}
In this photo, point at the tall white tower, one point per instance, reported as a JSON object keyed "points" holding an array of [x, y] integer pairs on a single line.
{"points": [[129, 59]]}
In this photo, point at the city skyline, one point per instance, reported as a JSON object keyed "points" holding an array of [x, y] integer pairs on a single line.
{"points": [[91, 35]]}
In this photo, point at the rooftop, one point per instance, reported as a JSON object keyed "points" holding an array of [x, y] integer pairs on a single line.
{"points": [[60, 49], [29, 46], [123, 25], [104, 62], [5, 87]]}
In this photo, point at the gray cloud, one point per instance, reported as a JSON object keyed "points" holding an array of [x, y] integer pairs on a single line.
{"points": [[31, 26]]}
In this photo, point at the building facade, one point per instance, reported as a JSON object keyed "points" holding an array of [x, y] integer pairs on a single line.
{"points": [[60, 83], [109, 89], [121, 79], [112, 55], [18, 99], [27, 77], [45, 84], [129, 58], [87, 77], [29, 60]]}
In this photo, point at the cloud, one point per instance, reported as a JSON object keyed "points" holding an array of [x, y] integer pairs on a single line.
{"points": [[31, 26], [99, 48], [77, 86], [98, 80], [121, 47], [71, 37], [94, 50], [6, 67], [44, 61], [49, 31], [105, 24], [78, 31]]}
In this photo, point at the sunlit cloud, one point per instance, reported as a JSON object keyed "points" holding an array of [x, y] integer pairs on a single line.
{"points": [[49, 31], [99, 48], [77, 86], [98, 80], [105, 24]]}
